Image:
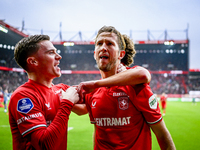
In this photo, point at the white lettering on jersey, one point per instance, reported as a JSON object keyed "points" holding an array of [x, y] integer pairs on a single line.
{"points": [[119, 94], [113, 121], [58, 91], [31, 116]]}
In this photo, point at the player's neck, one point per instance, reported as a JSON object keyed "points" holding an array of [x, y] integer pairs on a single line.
{"points": [[41, 79], [107, 74], [111, 72]]}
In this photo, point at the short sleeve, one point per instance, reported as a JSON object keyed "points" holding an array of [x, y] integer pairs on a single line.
{"points": [[146, 102]]}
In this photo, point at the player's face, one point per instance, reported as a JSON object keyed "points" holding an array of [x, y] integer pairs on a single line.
{"points": [[48, 60], [106, 51]]}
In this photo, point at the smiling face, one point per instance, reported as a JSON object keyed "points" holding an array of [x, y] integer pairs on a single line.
{"points": [[107, 53], [47, 60]]}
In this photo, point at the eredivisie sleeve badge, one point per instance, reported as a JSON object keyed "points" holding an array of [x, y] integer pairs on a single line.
{"points": [[24, 105]]}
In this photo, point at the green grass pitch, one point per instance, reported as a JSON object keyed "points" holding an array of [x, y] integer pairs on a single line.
{"points": [[182, 120]]}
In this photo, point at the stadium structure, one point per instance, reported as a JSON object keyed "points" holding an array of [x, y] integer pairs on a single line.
{"points": [[167, 60]]}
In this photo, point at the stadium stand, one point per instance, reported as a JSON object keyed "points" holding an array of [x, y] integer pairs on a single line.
{"points": [[168, 62]]}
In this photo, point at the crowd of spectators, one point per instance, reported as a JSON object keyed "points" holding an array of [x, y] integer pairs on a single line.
{"points": [[11, 80], [172, 84]]}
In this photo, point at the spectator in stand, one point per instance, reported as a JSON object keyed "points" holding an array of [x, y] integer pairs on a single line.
{"points": [[6, 98], [122, 112], [158, 82], [163, 99], [1, 97], [38, 110]]}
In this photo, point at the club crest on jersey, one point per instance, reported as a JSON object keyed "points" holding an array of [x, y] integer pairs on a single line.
{"points": [[123, 102], [153, 102], [24, 105]]}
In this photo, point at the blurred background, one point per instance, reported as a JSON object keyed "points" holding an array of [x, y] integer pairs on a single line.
{"points": [[166, 36]]}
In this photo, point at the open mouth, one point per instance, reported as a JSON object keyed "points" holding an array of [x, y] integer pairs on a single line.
{"points": [[57, 66], [103, 57]]}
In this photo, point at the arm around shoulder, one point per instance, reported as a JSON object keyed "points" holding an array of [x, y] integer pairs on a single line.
{"points": [[134, 76], [143, 74]]}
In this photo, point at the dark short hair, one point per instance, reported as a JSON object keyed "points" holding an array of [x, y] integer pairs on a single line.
{"points": [[26, 47]]}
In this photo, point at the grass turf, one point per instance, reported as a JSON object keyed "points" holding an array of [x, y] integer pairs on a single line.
{"points": [[182, 120]]}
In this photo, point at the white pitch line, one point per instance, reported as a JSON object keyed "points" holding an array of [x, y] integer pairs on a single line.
{"points": [[4, 126], [70, 128]]}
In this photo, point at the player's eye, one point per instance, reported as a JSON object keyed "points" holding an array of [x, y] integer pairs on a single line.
{"points": [[109, 43], [99, 43], [52, 52]]}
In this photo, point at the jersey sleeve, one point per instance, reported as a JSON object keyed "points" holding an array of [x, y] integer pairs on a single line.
{"points": [[50, 137], [26, 112], [146, 102]]}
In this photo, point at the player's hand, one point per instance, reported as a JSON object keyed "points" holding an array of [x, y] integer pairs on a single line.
{"points": [[121, 68], [84, 88], [87, 86], [71, 94], [81, 94]]}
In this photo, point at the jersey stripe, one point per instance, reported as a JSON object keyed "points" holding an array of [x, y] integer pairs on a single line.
{"points": [[41, 125], [155, 121]]}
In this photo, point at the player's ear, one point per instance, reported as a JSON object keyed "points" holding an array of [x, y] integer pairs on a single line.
{"points": [[94, 55], [121, 54], [32, 61]]}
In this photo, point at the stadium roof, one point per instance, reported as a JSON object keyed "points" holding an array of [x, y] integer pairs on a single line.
{"points": [[4, 26]]}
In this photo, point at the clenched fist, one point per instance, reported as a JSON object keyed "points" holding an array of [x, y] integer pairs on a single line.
{"points": [[71, 94]]}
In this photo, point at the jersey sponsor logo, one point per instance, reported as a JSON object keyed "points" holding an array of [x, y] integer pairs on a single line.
{"points": [[153, 102], [24, 105], [123, 103], [31, 116], [48, 106], [119, 94], [121, 121], [94, 103], [58, 91]]}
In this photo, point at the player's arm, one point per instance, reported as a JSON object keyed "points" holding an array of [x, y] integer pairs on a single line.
{"points": [[133, 76], [163, 136], [137, 75], [49, 137], [80, 109], [94, 135]]}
